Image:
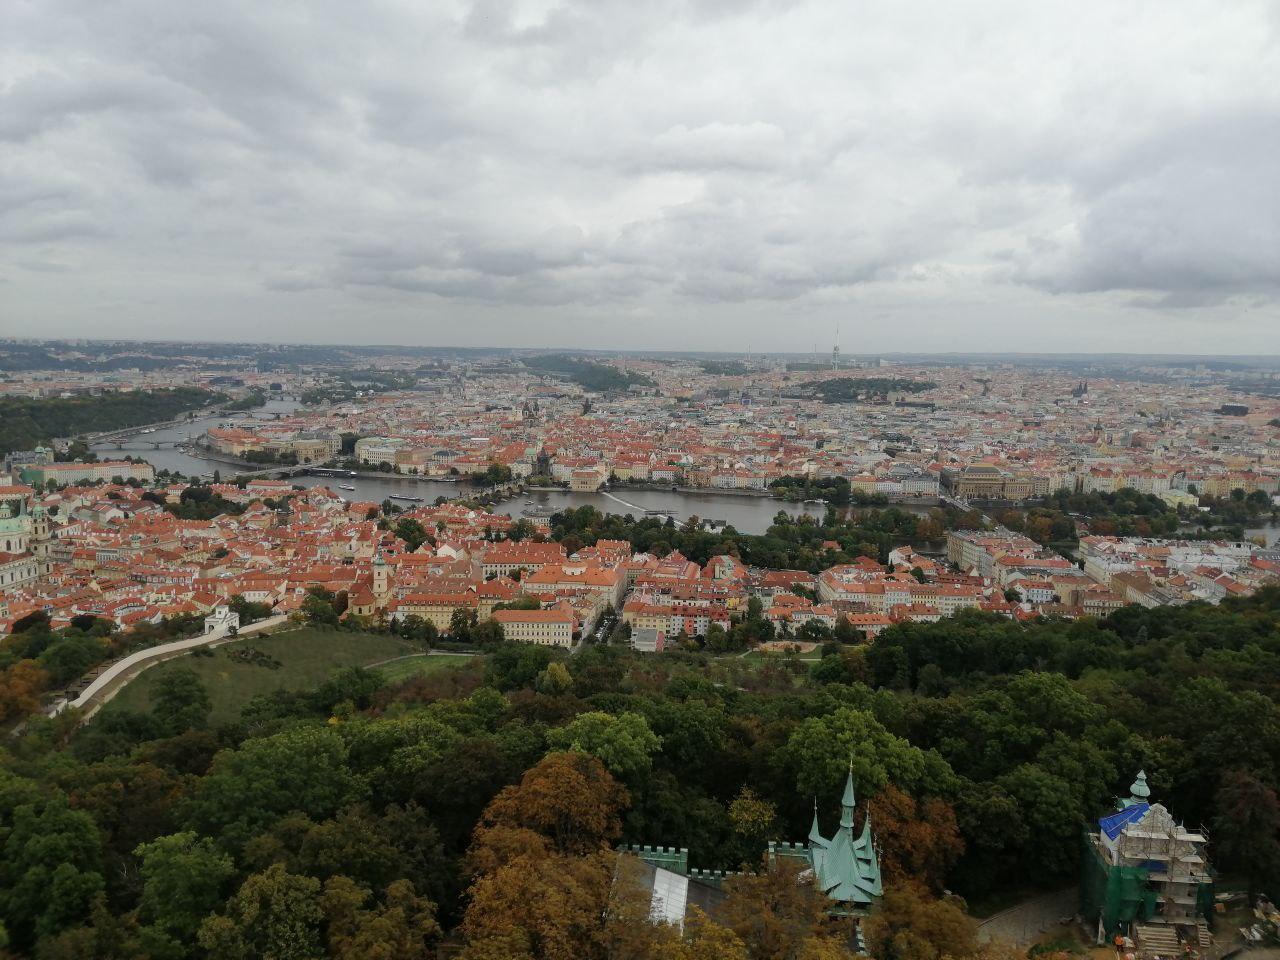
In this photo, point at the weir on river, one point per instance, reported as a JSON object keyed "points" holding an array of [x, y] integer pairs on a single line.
{"points": [[635, 506]]}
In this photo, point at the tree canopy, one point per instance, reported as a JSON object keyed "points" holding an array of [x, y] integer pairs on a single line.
{"points": [[483, 805]]}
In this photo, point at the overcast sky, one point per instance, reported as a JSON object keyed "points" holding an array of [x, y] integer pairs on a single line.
{"points": [[619, 173]]}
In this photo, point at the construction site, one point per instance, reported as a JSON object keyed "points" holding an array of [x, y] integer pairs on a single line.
{"points": [[1146, 885]]}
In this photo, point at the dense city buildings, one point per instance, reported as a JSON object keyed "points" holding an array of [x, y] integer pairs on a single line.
{"points": [[1002, 442]]}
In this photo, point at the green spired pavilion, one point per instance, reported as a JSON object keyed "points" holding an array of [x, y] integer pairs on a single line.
{"points": [[845, 867]]}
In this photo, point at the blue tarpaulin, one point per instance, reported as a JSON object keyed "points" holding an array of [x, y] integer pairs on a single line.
{"points": [[1114, 825]]}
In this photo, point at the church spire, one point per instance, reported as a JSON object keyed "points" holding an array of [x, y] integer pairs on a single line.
{"points": [[815, 834], [848, 802]]}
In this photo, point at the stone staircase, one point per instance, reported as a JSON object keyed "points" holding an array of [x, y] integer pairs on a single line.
{"points": [[1161, 939], [1204, 939], [1156, 940]]}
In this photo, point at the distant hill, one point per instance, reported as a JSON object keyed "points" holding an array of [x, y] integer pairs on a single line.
{"points": [[852, 389], [595, 377], [26, 422]]}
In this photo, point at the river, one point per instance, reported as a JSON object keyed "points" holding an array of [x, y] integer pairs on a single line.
{"points": [[747, 513], [168, 458]]}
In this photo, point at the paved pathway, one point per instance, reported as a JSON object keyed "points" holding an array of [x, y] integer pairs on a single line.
{"points": [[425, 653], [112, 680], [1024, 923]]}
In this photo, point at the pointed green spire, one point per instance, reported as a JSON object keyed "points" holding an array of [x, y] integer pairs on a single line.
{"points": [[815, 834], [865, 839], [848, 801]]}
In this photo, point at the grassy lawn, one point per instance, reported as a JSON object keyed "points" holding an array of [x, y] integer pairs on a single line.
{"points": [[307, 658], [413, 666]]}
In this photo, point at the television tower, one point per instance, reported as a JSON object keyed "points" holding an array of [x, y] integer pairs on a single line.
{"points": [[835, 350]]}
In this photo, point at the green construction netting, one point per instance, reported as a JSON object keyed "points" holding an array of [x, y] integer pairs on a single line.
{"points": [[1204, 902], [1118, 895]]}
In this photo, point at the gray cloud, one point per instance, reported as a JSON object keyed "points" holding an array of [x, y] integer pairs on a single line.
{"points": [[1191, 213], [696, 174]]}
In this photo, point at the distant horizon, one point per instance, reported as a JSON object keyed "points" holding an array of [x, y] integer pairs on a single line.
{"points": [[605, 351]]}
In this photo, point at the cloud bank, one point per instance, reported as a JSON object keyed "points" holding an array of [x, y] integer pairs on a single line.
{"points": [[698, 175]]}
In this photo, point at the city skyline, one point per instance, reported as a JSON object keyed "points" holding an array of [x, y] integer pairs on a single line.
{"points": [[816, 352]]}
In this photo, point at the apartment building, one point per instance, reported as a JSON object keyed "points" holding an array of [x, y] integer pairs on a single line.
{"points": [[549, 628], [504, 558], [67, 473]]}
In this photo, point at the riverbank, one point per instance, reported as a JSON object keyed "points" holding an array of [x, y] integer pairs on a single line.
{"points": [[751, 514], [749, 511], [893, 501], [621, 485], [322, 470], [460, 482], [213, 456]]}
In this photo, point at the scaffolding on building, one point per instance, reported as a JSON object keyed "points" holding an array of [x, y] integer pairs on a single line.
{"points": [[1145, 876]]}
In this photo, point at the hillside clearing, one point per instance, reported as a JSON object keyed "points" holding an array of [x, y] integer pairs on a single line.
{"points": [[306, 658]]}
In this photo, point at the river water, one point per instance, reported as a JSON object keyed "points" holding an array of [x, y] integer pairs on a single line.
{"points": [[745, 513], [167, 458], [748, 514]]}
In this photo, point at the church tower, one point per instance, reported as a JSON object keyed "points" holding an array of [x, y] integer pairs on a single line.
{"points": [[381, 580]]}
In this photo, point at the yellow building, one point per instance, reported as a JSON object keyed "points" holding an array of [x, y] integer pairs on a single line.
{"points": [[551, 628], [586, 481], [437, 608], [308, 451]]}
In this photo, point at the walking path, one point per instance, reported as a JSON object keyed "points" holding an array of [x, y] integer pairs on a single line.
{"points": [[114, 679], [1024, 923], [425, 653]]}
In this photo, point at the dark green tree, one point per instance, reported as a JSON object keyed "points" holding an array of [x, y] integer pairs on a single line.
{"points": [[183, 880], [1247, 830], [180, 701], [300, 769], [274, 914]]}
